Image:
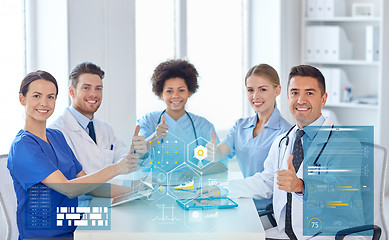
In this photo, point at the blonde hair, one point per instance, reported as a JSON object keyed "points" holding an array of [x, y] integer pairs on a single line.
{"points": [[267, 71], [264, 70]]}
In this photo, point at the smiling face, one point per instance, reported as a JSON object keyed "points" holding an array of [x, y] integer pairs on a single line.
{"points": [[175, 94], [88, 94], [305, 100], [261, 93], [39, 101]]}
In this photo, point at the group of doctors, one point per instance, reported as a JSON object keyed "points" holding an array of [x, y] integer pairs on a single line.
{"points": [[79, 148]]}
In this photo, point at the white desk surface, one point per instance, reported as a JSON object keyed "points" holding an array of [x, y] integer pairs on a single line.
{"points": [[165, 219]]}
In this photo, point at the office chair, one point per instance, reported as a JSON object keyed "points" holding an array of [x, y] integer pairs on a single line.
{"points": [[267, 217], [4, 221], [379, 227], [8, 200]]}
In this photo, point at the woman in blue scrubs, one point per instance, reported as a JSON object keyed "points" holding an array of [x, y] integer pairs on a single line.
{"points": [[43, 166], [250, 138], [174, 134]]}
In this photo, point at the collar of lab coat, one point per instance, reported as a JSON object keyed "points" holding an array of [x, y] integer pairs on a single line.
{"points": [[80, 118], [74, 126], [72, 121]]}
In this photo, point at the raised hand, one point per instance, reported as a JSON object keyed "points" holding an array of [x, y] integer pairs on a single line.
{"points": [[128, 163], [287, 179], [211, 147], [139, 142], [162, 128]]}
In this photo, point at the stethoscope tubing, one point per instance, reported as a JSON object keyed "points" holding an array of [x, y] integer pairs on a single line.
{"points": [[286, 138], [193, 126]]}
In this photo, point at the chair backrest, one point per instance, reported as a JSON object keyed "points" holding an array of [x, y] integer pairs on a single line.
{"points": [[380, 161], [5, 228], [8, 199]]}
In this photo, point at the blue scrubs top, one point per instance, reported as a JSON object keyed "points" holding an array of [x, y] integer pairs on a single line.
{"points": [[252, 152], [180, 142], [30, 161]]}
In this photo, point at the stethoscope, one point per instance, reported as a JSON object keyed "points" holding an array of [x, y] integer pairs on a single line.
{"points": [[193, 126], [286, 138]]}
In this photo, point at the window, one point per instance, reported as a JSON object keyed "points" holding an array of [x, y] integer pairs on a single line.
{"points": [[215, 48], [12, 68], [154, 44], [214, 45]]}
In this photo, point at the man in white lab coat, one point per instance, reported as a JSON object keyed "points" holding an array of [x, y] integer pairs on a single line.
{"points": [[92, 140], [306, 97]]}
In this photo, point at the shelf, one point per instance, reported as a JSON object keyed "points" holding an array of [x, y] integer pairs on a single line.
{"points": [[344, 62], [343, 19], [352, 105]]}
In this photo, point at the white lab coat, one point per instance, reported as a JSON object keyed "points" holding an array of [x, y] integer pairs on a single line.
{"points": [[264, 185], [92, 156]]}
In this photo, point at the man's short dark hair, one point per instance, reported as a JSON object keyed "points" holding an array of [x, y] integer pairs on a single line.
{"points": [[308, 71], [84, 67]]}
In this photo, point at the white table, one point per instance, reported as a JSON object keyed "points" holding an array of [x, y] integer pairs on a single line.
{"points": [[165, 219]]}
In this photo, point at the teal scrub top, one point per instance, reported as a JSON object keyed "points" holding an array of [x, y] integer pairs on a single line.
{"points": [[180, 143]]}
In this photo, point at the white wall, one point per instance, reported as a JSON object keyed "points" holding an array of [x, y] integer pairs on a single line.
{"points": [[289, 47], [47, 46], [263, 38], [273, 31], [100, 32]]}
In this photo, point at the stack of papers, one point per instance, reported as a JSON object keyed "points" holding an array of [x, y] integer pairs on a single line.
{"points": [[373, 100]]}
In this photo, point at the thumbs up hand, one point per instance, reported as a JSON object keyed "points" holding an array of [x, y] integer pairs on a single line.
{"points": [[139, 143], [211, 149], [162, 128], [128, 163], [287, 179]]}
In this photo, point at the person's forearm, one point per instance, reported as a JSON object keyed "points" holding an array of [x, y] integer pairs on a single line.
{"points": [[214, 168], [85, 184], [110, 190], [102, 176], [221, 151]]}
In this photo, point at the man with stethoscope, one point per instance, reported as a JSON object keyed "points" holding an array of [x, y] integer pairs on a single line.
{"points": [[283, 169]]}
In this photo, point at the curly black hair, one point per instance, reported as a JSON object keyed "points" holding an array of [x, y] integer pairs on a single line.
{"points": [[175, 68]]}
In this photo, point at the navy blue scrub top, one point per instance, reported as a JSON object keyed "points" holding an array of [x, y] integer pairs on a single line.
{"points": [[30, 161]]}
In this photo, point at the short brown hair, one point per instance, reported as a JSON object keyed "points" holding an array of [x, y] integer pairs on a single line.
{"points": [[84, 67], [176, 68], [33, 76], [308, 71]]}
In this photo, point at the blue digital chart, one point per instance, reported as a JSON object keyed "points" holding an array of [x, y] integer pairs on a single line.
{"points": [[338, 173], [43, 214]]}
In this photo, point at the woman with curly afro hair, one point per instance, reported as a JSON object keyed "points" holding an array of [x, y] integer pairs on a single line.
{"points": [[174, 136]]}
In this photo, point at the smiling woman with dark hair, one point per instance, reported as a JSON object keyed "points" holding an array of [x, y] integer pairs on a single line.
{"points": [[174, 82], [42, 165]]}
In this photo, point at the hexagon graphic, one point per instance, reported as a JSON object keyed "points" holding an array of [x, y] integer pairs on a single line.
{"points": [[197, 153], [166, 153], [159, 179], [200, 152], [183, 182]]}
